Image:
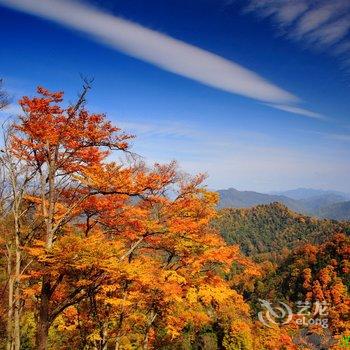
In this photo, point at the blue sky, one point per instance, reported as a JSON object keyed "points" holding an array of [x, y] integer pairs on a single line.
{"points": [[255, 93]]}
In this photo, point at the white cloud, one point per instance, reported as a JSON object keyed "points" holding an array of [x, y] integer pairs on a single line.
{"points": [[160, 50], [284, 11], [321, 24], [315, 18], [288, 12], [300, 111], [156, 48], [331, 33]]}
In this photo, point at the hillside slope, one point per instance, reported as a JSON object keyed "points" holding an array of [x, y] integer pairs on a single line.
{"points": [[273, 229], [336, 211]]}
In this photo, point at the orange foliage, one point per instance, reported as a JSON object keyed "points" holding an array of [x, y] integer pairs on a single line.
{"points": [[116, 241]]}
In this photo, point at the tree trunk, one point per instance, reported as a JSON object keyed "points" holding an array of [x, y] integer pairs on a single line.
{"points": [[9, 344], [43, 322], [17, 301], [117, 343], [17, 193], [42, 333], [153, 316], [104, 339]]}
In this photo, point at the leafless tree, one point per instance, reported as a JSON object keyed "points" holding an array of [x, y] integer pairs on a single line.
{"points": [[15, 180], [4, 97]]}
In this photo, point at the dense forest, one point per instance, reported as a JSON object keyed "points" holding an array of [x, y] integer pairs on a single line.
{"points": [[270, 231], [101, 251], [301, 259]]}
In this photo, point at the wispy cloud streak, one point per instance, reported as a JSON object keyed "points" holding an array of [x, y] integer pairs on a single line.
{"points": [[300, 111], [320, 24], [158, 49]]}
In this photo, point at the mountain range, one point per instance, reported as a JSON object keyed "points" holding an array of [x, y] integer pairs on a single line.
{"points": [[324, 204], [306, 193]]}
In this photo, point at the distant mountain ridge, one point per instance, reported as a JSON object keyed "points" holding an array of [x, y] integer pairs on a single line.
{"points": [[336, 211], [308, 193], [232, 198], [324, 204], [313, 205]]}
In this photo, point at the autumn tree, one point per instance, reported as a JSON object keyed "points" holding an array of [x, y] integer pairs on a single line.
{"points": [[321, 273], [57, 145], [113, 253]]}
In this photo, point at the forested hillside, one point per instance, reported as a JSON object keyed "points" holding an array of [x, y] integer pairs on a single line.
{"points": [[309, 275], [303, 261], [273, 229]]}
